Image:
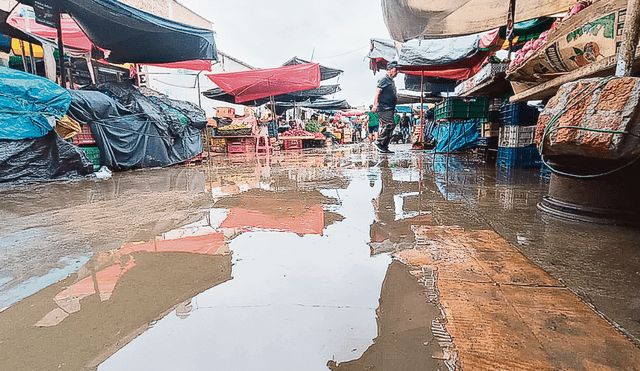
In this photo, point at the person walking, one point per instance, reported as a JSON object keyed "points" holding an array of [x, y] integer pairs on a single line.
{"points": [[384, 104], [372, 125]]}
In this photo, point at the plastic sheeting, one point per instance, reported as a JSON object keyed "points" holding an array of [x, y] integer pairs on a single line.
{"points": [[298, 96], [408, 20], [40, 159], [256, 84], [326, 73], [135, 36], [455, 136], [137, 131], [29, 104], [452, 58]]}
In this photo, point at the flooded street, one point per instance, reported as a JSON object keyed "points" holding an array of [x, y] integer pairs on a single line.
{"points": [[316, 259]]}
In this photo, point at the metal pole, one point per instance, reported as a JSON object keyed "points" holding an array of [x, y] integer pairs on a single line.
{"points": [[63, 73], [422, 125], [24, 56], [32, 60], [629, 39], [511, 20]]}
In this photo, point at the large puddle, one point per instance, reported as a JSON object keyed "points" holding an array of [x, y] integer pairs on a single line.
{"points": [[269, 263]]}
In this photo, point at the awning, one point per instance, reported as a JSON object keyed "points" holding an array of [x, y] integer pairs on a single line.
{"points": [[413, 19], [135, 36], [455, 58], [195, 65], [72, 35], [320, 103], [326, 73], [250, 85]]}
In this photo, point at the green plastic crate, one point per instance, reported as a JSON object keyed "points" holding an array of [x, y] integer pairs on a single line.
{"points": [[93, 153], [456, 108]]}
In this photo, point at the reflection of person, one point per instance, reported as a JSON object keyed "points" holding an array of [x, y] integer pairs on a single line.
{"points": [[372, 124], [384, 104], [405, 125]]}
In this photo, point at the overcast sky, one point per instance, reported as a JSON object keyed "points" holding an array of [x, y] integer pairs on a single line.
{"points": [[267, 33]]}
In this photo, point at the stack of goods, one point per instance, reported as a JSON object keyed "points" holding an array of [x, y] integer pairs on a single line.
{"points": [[296, 133], [319, 136], [528, 49], [456, 108], [516, 141], [235, 129]]}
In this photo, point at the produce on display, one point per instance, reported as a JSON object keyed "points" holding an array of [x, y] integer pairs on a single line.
{"points": [[312, 126], [296, 133]]}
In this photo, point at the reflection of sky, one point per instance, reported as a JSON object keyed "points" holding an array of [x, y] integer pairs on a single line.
{"points": [[31, 260], [293, 303]]}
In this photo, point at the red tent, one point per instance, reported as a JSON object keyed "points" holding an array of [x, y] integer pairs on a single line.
{"points": [[72, 35], [256, 84]]}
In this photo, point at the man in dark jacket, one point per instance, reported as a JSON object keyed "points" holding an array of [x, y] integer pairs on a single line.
{"points": [[384, 104]]}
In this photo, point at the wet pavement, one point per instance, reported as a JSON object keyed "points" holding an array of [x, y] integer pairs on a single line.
{"points": [[317, 259]]}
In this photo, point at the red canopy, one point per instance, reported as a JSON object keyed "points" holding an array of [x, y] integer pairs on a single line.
{"points": [[194, 65], [72, 35], [256, 84]]}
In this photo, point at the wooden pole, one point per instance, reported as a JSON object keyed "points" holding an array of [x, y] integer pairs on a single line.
{"points": [[63, 73], [24, 56], [511, 21], [422, 125], [629, 39]]}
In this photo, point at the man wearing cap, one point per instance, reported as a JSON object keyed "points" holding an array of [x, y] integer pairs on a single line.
{"points": [[384, 104]]}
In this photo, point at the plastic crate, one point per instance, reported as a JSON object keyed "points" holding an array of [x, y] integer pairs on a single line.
{"points": [[517, 136], [85, 136], [518, 114], [456, 108], [489, 142], [509, 157], [241, 145], [292, 143], [93, 153]]}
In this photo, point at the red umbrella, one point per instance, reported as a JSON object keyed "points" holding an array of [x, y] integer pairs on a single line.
{"points": [[256, 84]]}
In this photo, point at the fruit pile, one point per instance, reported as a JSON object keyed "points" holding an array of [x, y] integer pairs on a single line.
{"points": [[312, 126], [296, 133], [319, 136]]}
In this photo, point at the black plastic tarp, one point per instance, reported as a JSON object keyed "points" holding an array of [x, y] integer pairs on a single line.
{"points": [[326, 73], [133, 130], [298, 96], [135, 36], [320, 104], [432, 85], [46, 158]]}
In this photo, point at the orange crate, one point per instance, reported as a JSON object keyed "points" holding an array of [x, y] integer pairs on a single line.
{"points": [[292, 143], [85, 136]]}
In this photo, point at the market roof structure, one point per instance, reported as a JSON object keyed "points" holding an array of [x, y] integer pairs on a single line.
{"points": [[427, 19], [135, 36], [251, 85], [297, 96]]}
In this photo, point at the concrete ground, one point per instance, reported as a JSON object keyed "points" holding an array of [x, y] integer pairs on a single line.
{"points": [[319, 259]]}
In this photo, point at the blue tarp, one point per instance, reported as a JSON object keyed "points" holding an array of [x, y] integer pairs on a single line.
{"points": [[455, 136], [29, 104]]}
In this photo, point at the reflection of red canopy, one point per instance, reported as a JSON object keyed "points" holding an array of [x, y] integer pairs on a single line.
{"points": [[312, 222], [256, 84]]}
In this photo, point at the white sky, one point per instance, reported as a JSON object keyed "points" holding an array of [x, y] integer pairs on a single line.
{"points": [[267, 33]]}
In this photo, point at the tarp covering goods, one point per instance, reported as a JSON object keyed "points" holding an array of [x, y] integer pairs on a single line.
{"points": [[133, 130]]}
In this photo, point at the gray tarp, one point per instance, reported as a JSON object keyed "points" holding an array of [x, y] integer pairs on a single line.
{"points": [[436, 52], [413, 19]]}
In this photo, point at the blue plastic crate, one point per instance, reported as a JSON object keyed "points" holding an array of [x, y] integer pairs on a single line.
{"points": [[514, 114], [509, 157]]}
